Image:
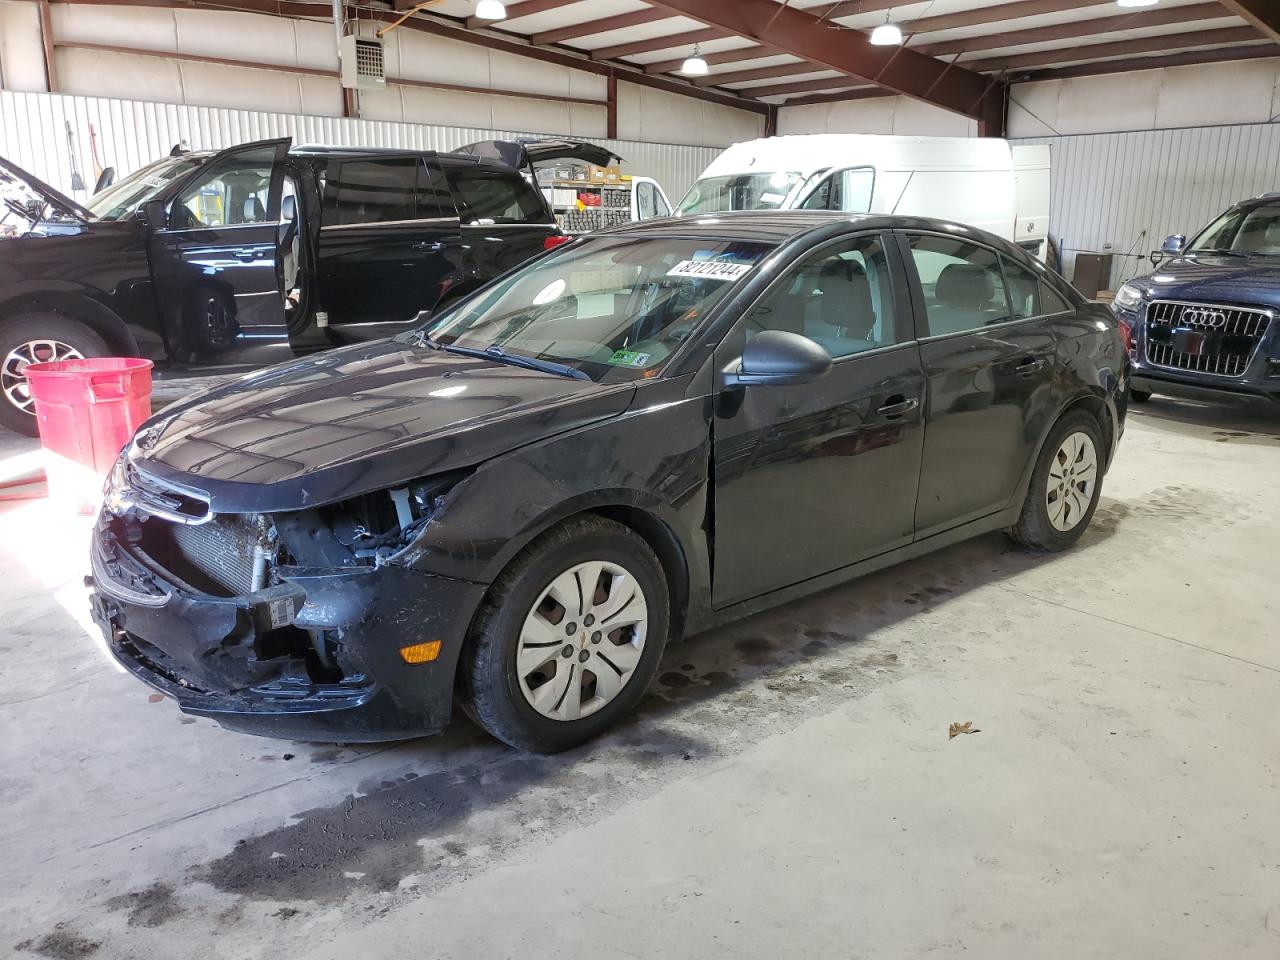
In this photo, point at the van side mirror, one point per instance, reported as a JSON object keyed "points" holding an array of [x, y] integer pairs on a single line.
{"points": [[1174, 244], [155, 214], [777, 358]]}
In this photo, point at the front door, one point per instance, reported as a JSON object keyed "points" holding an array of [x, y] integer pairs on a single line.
{"points": [[215, 260], [389, 243], [991, 361], [813, 477]]}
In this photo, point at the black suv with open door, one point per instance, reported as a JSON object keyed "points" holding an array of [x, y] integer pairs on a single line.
{"points": [[248, 256]]}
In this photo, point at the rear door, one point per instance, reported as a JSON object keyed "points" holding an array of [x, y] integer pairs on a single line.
{"points": [[389, 244], [215, 259], [505, 219], [993, 377]]}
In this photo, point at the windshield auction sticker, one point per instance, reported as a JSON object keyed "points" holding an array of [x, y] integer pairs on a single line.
{"points": [[629, 358], [709, 270]]}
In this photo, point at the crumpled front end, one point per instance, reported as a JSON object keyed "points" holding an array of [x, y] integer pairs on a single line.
{"points": [[297, 625]]}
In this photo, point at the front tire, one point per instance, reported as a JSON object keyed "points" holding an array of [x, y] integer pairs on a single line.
{"points": [[568, 638], [36, 338], [1065, 486]]}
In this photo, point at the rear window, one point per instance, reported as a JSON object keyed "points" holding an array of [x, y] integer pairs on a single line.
{"points": [[495, 195], [374, 191]]}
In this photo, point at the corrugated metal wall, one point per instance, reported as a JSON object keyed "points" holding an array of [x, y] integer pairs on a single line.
{"points": [[1134, 189], [131, 133]]}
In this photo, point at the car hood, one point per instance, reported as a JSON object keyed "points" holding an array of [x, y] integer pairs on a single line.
{"points": [[21, 187], [1214, 278], [359, 419]]}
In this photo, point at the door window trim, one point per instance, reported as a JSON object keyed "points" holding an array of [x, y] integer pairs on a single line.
{"points": [[386, 223], [903, 322]]}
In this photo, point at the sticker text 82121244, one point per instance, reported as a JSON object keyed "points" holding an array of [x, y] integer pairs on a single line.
{"points": [[709, 269]]}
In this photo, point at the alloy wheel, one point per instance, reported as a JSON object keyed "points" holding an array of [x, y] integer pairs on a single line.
{"points": [[1073, 475], [582, 640], [13, 377]]}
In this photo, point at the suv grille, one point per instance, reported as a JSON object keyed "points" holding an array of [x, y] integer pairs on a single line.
{"points": [[1204, 338]]}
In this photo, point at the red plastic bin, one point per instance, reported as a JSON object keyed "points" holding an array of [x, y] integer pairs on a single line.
{"points": [[87, 410]]}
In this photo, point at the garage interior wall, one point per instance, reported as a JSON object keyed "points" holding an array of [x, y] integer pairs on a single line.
{"points": [[143, 104], [1136, 156]]}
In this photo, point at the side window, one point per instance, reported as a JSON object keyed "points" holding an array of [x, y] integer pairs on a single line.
{"points": [[1052, 301], [660, 203], [842, 297], [375, 191], [234, 192], [494, 195], [1024, 290], [855, 189], [963, 288], [820, 199], [644, 201]]}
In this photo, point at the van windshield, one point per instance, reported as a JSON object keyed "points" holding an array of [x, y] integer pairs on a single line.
{"points": [[122, 199], [742, 191]]}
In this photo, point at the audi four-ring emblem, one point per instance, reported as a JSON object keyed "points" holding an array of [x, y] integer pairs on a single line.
{"points": [[1203, 317]]}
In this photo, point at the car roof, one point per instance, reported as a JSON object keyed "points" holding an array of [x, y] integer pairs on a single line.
{"points": [[778, 226]]}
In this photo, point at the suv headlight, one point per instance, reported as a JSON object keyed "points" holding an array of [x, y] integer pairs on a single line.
{"points": [[1128, 297]]}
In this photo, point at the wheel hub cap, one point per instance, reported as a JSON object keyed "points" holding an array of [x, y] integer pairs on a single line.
{"points": [[1073, 476], [13, 377], [582, 640]]}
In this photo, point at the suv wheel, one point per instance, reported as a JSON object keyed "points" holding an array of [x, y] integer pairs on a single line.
{"points": [[1065, 485], [37, 338], [568, 639]]}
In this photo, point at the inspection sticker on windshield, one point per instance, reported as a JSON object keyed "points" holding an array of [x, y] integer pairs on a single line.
{"points": [[709, 269], [629, 358]]}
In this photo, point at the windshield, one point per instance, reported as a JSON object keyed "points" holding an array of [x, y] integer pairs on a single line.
{"points": [[1246, 230], [611, 308], [743, 191], [121, 200]]}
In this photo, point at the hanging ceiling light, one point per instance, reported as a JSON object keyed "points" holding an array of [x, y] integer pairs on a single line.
{"points": [[491, 10], [1136, 3], [695, 66], [888, 34]]}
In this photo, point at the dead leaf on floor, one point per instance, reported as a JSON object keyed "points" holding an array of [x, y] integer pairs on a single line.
{"points": [[959, 728], [155, 698]]}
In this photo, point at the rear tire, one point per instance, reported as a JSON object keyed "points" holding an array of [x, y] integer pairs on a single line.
{"points": [[31, 337], [1139, 396], [1065, 485], [542, 675]]}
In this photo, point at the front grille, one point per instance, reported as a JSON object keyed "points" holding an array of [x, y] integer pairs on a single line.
{"points": [[1204, 338], [219, 556]]}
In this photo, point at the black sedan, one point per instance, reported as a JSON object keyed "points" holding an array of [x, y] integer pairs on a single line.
{"points": [[633, 438]]}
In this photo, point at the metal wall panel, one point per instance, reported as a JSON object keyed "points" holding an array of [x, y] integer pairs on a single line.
{"points": [[132, 133], [1134, 189]]}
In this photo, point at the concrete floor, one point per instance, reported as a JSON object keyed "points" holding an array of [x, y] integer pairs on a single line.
{"points": [[787, 790]]}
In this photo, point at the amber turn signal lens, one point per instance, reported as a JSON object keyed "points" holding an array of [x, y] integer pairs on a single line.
{"points": [[420, 652]]}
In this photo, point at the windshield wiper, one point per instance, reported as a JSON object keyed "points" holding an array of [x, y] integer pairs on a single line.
{"points": [[420, 338], [1222, 250], [517, 360]]}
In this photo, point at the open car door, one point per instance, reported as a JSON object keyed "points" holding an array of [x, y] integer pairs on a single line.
{"points": [[215, 258]]}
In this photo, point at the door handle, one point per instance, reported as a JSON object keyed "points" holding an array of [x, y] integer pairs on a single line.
{"points": [[898, 406], [429, 246], [1029, 366], [246, 253]]}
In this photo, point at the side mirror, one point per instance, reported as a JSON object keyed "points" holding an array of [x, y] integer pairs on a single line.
{"points": [[105, 179], [155, 214], [777, 358], [1174, 244]]}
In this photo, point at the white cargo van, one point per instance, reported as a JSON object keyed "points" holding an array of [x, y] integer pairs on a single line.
{"points": [[966, 179]]}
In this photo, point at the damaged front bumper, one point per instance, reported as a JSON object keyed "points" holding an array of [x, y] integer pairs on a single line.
{"points": [[315, 657]]}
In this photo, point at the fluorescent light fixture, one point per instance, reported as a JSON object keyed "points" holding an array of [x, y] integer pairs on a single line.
{"points": [[695, 66], [886, 35], [491, 10], [1136, 3]]}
